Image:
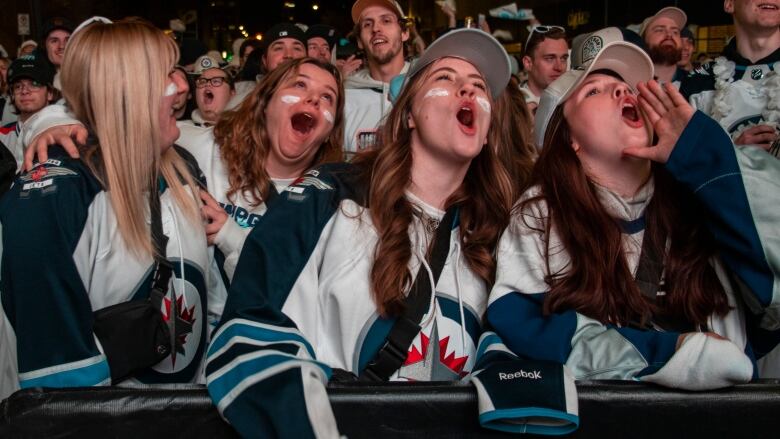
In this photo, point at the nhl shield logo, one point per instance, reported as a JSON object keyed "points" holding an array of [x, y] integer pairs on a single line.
{"points": [[756, 74], [591, 47]]}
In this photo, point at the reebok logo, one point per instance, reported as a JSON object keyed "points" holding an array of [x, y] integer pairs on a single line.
{"points": [[533, 375]]}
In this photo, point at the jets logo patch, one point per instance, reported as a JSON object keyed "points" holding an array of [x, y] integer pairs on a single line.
{"points": [[591, 47]]}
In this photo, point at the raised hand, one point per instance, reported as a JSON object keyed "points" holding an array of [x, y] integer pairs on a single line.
{"points": [[668, 112]]}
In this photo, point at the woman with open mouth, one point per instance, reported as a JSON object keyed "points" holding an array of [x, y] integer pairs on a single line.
{"points": [[323, 278], [622, 268], [290, 122], [118, 232]]}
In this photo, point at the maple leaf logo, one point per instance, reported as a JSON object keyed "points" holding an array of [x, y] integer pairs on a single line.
{"points": [[185, 320], [454, 363]]}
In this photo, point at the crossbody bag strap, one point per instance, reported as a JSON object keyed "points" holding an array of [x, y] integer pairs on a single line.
{"points": [[406, 327], [649, 274]]}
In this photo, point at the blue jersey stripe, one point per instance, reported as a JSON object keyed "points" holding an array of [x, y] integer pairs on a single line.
{"points": [[90, 375]]}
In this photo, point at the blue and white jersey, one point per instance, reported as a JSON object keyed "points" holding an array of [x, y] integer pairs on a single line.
{"points": [[740, 190], [735, 91], [300, 304], [63, 258]]}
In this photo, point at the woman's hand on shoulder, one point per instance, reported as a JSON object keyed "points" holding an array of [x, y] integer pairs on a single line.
{"points": [[64, 135], [214, 215], [668, 112]]}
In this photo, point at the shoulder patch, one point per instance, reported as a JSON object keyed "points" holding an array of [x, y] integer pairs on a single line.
{"points": [[43, 176]]}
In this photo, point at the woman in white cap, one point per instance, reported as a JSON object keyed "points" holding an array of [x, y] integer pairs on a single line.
{"points": [[328, 273], [611, 264], [122, 298]]}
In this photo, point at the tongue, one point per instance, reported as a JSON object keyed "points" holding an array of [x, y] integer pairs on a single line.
{"points": [[466, 117], [630, 114], [302, 122]]}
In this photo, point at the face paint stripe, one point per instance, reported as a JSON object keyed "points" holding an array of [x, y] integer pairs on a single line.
{"points": [[436, 92], [484, 103], [328, 116], [170, 90], [290, 99]]}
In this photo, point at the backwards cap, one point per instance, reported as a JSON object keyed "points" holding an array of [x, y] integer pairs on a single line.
{"points": [[283, 30], [605, 49]]}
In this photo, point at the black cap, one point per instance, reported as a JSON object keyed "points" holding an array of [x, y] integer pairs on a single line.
{"points": [[56, 23], [328, 33], [32, 67], [686, 33], [283, 30]]}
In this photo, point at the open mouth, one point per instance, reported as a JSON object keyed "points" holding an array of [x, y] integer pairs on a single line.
{"points": [[630, 114], [466, 116], [208, 96], [378, 41], [303, 122], [767, 7]]}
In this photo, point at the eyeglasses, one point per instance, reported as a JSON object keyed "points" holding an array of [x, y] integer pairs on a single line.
{"points": [[216, 81], [540, 29], [18, 87]]}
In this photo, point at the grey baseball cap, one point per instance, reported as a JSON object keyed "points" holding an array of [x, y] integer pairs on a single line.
{"points": [[475, 46], [605, 49]]}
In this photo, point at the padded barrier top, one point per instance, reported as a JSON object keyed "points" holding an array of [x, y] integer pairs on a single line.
{"points": [[618, 409]]}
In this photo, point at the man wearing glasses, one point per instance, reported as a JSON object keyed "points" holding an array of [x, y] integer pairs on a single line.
{"points": [[661, 33], [31, 80], [380, 26], [545, 58], [213, 90]]}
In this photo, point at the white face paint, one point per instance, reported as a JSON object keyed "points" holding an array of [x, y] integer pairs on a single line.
{"points": [[170, 90], [484, 103], [436, 92], [328, 116], [290, 99]]}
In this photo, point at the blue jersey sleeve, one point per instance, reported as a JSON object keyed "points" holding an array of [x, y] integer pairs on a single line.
{"points": [[740, 188], [262, 373], [44, 298]]}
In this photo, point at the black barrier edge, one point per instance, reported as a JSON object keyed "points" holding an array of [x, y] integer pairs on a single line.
{"points": [[617, 409]]}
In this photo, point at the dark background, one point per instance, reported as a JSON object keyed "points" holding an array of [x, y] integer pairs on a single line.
{"points": [[217, 21]]}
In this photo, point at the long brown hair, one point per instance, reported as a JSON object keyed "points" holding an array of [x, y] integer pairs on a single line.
{"points": [[243, 138], [597, 281], [484, 199], [511, 136]]}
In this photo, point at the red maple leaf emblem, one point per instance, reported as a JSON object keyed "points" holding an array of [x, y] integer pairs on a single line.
{"points": [[455, 364], [38, 173], [184, 313]]}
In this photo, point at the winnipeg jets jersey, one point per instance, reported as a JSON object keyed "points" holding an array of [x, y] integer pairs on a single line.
{"points": [[742, 218], [736, 92], [300, 304], [63, 258]]}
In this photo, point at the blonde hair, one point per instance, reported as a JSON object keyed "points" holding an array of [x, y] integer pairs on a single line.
{"points": [[113, 78]]}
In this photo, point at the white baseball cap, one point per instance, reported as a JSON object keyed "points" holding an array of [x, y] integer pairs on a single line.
{"points": [[605, 49], [360, 5], [676, 14]]}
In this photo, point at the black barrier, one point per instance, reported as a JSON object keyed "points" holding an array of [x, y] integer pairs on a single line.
{"points": [[608, 409]]}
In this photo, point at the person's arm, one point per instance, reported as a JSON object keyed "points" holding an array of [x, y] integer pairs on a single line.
{"points": [[261, 370], [740, 188], [589, 348], [43, 218], [53, 125]]}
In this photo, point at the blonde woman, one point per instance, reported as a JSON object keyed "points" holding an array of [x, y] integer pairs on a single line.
{"points": [[87, 222]]}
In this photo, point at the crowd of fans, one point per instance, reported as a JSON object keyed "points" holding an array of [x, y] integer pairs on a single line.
{"points": [[409, 214]]}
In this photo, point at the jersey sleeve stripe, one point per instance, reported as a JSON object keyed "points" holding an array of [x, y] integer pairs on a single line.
{"points": [[88, 372], [260, 332]]}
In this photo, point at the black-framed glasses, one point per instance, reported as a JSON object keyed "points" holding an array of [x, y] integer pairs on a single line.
{"points": [[216, 81], [542, 29]]}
